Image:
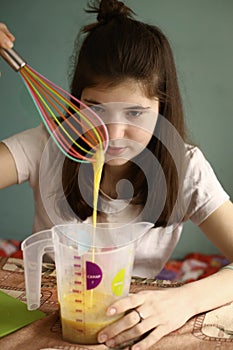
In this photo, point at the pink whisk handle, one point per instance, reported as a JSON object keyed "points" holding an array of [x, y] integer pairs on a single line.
{"points": [[12, 58]]}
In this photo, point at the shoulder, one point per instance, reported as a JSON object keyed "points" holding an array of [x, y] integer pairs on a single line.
{"points": [[202, 189], [26, 148], [198, 167], [28, 141], [38, 133], [193, 152]]}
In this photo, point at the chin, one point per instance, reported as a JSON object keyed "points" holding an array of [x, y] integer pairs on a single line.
{"points": [[116, 161]]}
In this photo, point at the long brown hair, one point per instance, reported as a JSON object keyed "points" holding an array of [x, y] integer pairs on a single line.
{"points": [[115, 48]]}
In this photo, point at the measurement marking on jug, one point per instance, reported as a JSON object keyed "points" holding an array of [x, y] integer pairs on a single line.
{"points": [[79, 310], [76, 291], [78, 331], [77, 265], [76, 257], [77, 282], [79, 320], [78, 273]]}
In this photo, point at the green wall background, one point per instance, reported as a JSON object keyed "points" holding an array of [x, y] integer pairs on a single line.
{"points": [[200, 33]]}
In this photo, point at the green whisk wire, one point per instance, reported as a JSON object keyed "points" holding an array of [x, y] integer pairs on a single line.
{"points": [[52, 113], [64, 100]]}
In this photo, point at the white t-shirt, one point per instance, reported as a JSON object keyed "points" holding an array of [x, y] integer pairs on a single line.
{"points": [[202, 190]]}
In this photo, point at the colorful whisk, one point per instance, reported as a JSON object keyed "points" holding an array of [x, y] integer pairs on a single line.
{"points": [[75, 128]]}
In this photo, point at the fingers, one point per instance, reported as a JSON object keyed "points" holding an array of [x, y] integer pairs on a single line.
{"points": [[131, 318], [142, 334], [129, 328], [132, 325], [6, 38], [125, 304]]}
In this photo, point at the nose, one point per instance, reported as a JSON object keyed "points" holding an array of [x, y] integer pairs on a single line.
{"points": [[116, 131]]}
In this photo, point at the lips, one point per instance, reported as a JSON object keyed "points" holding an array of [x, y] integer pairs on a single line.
{"points": [[115, 150]]}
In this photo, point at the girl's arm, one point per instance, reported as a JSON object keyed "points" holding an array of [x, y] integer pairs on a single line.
{"points": [[218, 227], [8, 171], [216, 289]]}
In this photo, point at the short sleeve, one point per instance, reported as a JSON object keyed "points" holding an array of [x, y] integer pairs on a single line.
{"points": [[203, 189], [26, 148]]}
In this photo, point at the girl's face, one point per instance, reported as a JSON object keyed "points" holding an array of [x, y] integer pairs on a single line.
{"points": [[129, 115]]}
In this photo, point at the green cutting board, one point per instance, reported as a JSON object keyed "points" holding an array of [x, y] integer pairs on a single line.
{"points": [[15, 315]]}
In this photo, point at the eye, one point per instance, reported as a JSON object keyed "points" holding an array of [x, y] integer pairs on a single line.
{"points": [[134, 113], [98, 109]]}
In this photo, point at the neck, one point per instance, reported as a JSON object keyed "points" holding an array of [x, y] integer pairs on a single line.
{"points": [[111, 176], [118, 172]]}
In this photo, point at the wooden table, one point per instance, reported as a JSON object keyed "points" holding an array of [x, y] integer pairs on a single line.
{"points": [[208, 331]]}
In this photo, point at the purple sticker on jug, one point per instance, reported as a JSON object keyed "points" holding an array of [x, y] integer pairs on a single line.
{"points": [[93, 275]]}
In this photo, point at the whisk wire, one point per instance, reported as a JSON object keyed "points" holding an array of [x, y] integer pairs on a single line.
{"points": [[47, 87], [79, 126], [68, 151], [39, 90], [45, 93], [44, 80]]}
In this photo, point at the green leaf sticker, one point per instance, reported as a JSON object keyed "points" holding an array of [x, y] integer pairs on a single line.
{"points": [[118, 283]]}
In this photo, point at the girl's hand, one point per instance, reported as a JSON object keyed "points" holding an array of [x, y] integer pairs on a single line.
{"points": [[163, 311], [6, 38]]}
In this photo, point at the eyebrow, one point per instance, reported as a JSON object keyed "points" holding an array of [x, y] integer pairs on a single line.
{"points": [[127, 108], [93, 102], [137, 107]]}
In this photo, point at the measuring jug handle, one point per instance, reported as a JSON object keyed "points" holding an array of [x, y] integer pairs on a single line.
{"points": [[34, 247]]}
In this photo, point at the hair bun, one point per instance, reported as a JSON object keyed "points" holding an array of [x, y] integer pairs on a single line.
{"points": [[108, 9]]}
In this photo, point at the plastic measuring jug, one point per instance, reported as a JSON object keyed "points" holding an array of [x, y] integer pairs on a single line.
{"points": [[93, 268]]}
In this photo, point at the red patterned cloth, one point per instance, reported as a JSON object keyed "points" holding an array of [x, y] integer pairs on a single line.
{"points": [[10, 247], [193, 267]]}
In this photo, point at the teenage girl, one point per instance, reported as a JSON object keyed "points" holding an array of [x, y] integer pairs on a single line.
{"points": [[125, 71]]}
